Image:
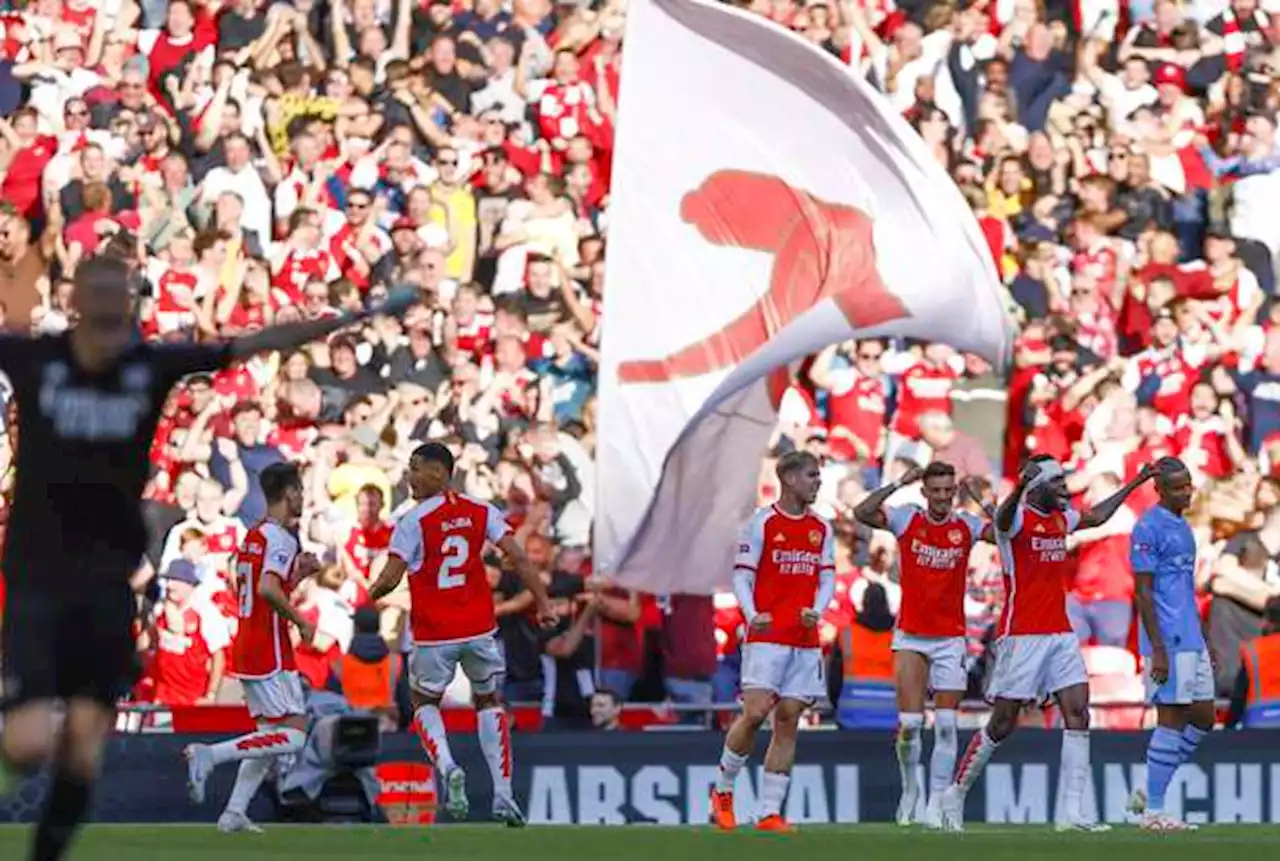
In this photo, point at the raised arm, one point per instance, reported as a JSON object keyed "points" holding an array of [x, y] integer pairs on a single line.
{"points": [[1102, 512], [870, 511], [290, 336], [1008, 509]]}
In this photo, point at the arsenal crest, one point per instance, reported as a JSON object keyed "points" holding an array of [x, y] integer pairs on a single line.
{"points": [[955, 536], [815, 537]]}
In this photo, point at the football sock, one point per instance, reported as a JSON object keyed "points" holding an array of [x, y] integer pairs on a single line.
{"points": [[271, 742], [1074, 766], [495, 741], [975, 757], [908, 746], [773, 790], [250, 776], [65, 807], [1191, 737], [1164, 755], [942, 763], [730, 764], [429, 726]]}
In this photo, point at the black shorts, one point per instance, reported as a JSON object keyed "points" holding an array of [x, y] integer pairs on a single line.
{"points": [[68, 646]]}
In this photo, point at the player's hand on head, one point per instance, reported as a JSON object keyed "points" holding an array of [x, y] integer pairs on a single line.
{"points": [[911, 476], [1029, 471]]}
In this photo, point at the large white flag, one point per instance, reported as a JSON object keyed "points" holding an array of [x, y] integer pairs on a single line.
{"points": [[766, 203]]}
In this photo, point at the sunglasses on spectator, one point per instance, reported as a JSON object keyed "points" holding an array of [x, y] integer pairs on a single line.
{"points": [[447, 162], [77, 112], [870, 357]]}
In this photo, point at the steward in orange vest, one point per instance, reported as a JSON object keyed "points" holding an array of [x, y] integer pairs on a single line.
{"points": [[867, 698], [1258, 686], [366, 675]]}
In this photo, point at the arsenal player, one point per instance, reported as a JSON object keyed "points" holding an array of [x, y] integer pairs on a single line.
{"points": [[928, 643], [784, 577], [1036, 652], [440, 544], [262, 655]]}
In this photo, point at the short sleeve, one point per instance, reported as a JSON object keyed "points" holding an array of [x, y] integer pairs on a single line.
{"points": [[406, 541], [277, 559], [1073, 519], [750, 544], [175, 361], [15, 352], [495, 525], [1143, 547], [899, 518], [974, 524], [828, 547]]}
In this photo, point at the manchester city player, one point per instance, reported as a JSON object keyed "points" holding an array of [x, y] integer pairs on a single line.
{"points": [[1174, 647]]}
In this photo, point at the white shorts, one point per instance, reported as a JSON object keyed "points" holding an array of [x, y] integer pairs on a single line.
{"points": [[944, 654], [433, 666], [1190, 680], [276, 697], [1032, 666], [791, 673]]}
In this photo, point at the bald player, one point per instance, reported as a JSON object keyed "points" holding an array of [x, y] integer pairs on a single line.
{"points": [[1176, 658], [88, 403], [1035, 650]]}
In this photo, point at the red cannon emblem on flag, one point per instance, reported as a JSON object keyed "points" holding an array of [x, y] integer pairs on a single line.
{"points": [[821, 250]]}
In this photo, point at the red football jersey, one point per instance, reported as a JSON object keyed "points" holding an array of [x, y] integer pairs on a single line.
{"points": [[787, 555], [441, 541], [1037, 569], [366, 542], [935, 567], [262, 647], [925, 389], [183, 649]]}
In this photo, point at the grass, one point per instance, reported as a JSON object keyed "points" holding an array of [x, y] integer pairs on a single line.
{"points": [[876, 842]]}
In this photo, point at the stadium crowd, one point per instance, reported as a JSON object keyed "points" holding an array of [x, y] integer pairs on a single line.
{"points": [[263, 163]]}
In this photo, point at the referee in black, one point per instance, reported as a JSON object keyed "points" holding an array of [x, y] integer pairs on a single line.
{"points": [[88, 403]]}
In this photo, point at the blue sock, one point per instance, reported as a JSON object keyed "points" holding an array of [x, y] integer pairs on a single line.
{"points": [[1190, 739], [1164, 755]]}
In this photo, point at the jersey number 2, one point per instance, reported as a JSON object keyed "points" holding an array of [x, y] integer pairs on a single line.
{"points": [[457, 551]]}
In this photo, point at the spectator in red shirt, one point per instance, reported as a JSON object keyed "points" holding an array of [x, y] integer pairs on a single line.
{"points": [[1100, 605], [369, 538], [190, 641]]}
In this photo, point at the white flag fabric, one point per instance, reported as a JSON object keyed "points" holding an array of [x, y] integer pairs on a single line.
{"points": [[766, 203]]}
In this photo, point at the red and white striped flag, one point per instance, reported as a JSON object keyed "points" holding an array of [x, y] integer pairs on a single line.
{"points": [[766, 203]]}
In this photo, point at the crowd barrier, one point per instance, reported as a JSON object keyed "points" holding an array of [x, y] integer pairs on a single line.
{"points": [[663, 777]]}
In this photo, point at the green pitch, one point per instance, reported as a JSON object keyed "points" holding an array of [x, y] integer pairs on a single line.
{"points": [[646, 843]]}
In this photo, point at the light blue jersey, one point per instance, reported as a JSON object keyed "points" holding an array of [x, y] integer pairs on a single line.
{"points": [[1163, 545]]}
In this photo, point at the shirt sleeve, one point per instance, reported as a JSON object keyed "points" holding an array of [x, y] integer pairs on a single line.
{"points": [[828, 562], [277, 558], [974, 524], [899, 518], [1073, 519], [15, 351], [750, 545], [406, 541], [1018, 510], [1142, 548], [495, 527], [175, 361]]}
